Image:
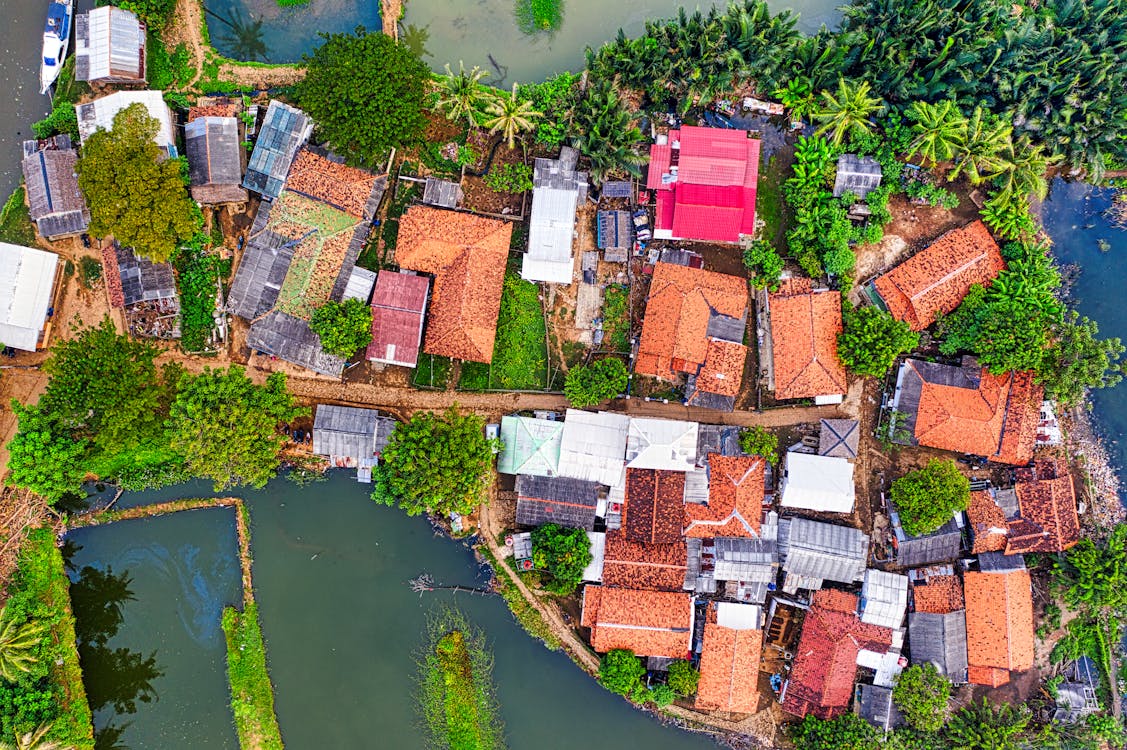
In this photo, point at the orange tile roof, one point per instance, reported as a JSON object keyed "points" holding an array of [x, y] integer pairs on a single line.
{"points": [[467, 255], [999, 622], [729, 669], [652, 512], [341, 186], [936, 279], [649, 623], [804, 330], [940, 595], [1047, 520], [675, 327], [723, 369], [735, 499], [660, 567], [989, 676], [987, 523], [212, 110]]}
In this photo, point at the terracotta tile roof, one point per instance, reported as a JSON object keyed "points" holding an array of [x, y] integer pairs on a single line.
{"points": [[112, 275], [936, 279], [660, 567], [398, 303], [804, 330], [1047, 520], [467, 255], [825, 664], [989, 676], [723, 369], [649, 623], [998, 420], [940, 595], [675, 328], [987, 523], [735, 499], [999, 624], [729, 669], [212, 110], [652, 512], [341, 186]]}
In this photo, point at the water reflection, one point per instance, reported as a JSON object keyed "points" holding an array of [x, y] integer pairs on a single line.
{"points": [[109, 737], [244, 37], [415, 38], [118, 677]]}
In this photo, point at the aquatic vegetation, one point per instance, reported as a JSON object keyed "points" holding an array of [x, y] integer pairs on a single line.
{"points": [[252, 695], [536, 16]]}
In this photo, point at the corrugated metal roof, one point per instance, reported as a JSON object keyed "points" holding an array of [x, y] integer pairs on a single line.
{"points": [[856, 174], [593, 447], [594, 571], [559, 500], [874, 705], [941, 640], [743, 559], [141, 279], [283, 132], [109, 44], [214, 158], [661, 444], [54, 199], [531, 446], [818, 483], [360, 284], [815, 550], [345, 431], [558, 188], [27, 280], [291, 339], [884, 598]]}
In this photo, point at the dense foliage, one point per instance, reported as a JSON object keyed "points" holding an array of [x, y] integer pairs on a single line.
{"points": [[344, 327], [926, 498], [509, 178], [982, 726], [759, 441], [872, 339], [563, 554], [764, 264], [620, 671], [252, 695], [155, 13], [554, 97], [133, 192], [198, 271], [683, 677], [366, 92], [604, 131], [435, 464], [587, 385], [847, 732], [922, 693], [539, 15]]}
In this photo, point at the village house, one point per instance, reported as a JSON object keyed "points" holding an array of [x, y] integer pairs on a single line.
{"points": [[144, 290], [729, 658], [399, 305], [817, 483], [705, 182], [98, 115], [941, 545], [559, 500], [27, 288], [935, 280], [999, 619], [466, 254], [654, 507], [54, 199], [284, 131], [109, 46], [1044, 518], [813, 552], [874, 704], [856, 175], [666, 444], [735, 499], [215, 160], [747, 567], [937, 628], [804, 325], [351, 437], [644, 565], [593, 447], [557, 189], [649, 623], [530, 446], [884, 598]]}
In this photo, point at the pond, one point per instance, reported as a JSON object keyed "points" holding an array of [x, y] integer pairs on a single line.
{"points": [[331, 572], [482, 32]]}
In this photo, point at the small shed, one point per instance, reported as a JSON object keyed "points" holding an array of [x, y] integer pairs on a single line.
{"points": [[99, 114], [359, 285], [874, 705], [442, 193], [109, 46], [614, 230], [55, 200], [284, 130], [398, 305], [617, 189], [839, 438], [522, 550], [818, 483], [942, 640], [531, 446], [215, 160], [290, 338], [859, 175], [558, 188], [27, 286], [559, 500], [351, 437], [884, 597]]}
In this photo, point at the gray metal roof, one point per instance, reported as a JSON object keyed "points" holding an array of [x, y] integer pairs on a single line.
{"points": [[55, 200], [614, 230], [856, 174], [816, 550], [884, 597], [284, 130], [617, 189], [996, 562], [874, 705], [109, 46], [291, 339], [941, 640], [705, 400], [750, 560], [214, 159], [345, 431], [265, 262], [942, 545], [559, 500], [839, 438], [726, 328], [715, 438], [442, 193], [142, 280]]}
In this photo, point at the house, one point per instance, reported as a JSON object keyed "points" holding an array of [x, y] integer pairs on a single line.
{"points": [[884, 598], [937, 592], [351, 437], [729, 658], [694, 324], [705, 181], [642, 565], [653, 511], [818, 483], [466, 254], [813, 552], [215, 160], [857, 175], [874, 704], [940, 639], [144, 289], [999, 618], [967, 409], [825, 662], [839, 438], [54, 199], [109, 46], [942, 545], [935, 280], [98, 115], [284, 130], [1047, 520], [649, 623], [399, 304], [665, 444], [531, 446], [27, 287], [558, 500], [593, 446], [804, 325], [557, 188], [361, 283], [748, 566], [735, 499], [989, 528]]}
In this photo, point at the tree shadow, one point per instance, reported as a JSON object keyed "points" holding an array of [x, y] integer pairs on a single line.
{"points": [[245, 36], [109, 737], [415, 38]]}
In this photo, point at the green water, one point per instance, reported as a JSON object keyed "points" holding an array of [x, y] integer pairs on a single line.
{"points": [[341, 625]]}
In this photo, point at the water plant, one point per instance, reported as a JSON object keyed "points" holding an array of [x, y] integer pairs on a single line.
{"points": [[538, 16]]}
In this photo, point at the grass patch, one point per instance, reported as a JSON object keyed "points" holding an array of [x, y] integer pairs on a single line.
{"points": [[616, 318], [16, 226], [520, 356], [770, 206], [431, 372], [252, 695]]}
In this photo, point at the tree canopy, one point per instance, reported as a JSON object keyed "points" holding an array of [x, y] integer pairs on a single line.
{"points": [[846, 732], [563, 553], [759, 441], [683, 677], [344, 327], [587, 385], [926, 498], [133, 192], [922, 694], [365, 91], [872, 339], [435, 464], [620, 671]]}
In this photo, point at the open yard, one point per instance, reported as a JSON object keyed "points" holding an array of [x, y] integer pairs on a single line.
{"points": [[520, 358]]}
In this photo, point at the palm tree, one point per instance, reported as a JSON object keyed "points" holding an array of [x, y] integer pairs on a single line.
{"points": [[17, 644], [980, 153], [35, 741], [849, 111], [511, 116], [461, 96], [797, 96], [1024, 167], [606, 133], [939, 130]]}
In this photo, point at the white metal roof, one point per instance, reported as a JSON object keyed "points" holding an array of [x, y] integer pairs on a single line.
{"points": [[99, 114], [738, 616], [662, 444], [27, 278], [550, 231], [361, 282], [593, 446], [819, 483], [594, 571], [884, 598], [115, 44]]}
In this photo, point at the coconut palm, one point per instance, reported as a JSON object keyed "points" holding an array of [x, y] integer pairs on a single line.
{"points": [[17, 645], [461, 96], [849, 111], [1024, 168], [245, 37], [35, 740], [606, 133], [939, 130], [511, 116], [979, 155]]}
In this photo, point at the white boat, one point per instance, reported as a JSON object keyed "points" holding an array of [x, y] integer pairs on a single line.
{"points": [[56, 39]]}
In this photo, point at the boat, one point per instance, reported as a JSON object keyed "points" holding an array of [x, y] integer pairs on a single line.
{"points": [[56, 39]]}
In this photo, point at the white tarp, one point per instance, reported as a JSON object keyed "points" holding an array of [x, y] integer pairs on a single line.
{"points": [[738, 616], [884, 598], [593, 573], [27, 279], [819, 483]]}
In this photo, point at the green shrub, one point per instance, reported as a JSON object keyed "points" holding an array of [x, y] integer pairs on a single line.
{"points": [[662, 695], [922, 694], [509, 178], [89, 271], [683, 678], [197, 274], [759, 441], [871, 340], [16, 226], [587, 385], [252, 695], [926, 498], [620, 671], [765, 264], [616, 317], [563, 553]]}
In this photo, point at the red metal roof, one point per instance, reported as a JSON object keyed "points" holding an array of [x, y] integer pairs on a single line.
{"points": [[398, 303]]}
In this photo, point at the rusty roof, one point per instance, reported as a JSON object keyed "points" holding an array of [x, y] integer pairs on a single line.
{"points": [[987, 523], [940, 595], [936, 279], [681, 303], [999, 622], [649, 623], [229, 109], [652, 512], [660, 567], [467, 256], [804, 330], [735, 499], [729, 669], [1047, 520], [343, 187]]}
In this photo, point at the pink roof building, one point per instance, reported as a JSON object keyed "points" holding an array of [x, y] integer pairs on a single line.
{"points": [[398, 304], [705, 181]]}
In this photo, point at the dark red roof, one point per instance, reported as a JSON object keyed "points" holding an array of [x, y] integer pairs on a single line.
{"points": [[654, 506], [398, 303]]}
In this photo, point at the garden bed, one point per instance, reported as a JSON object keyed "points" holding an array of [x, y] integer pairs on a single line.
{"points": [[480, 197], [520, 359], [431, 372]]}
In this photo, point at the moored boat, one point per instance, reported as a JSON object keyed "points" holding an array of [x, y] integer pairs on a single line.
{"points": [[56, 39]]}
